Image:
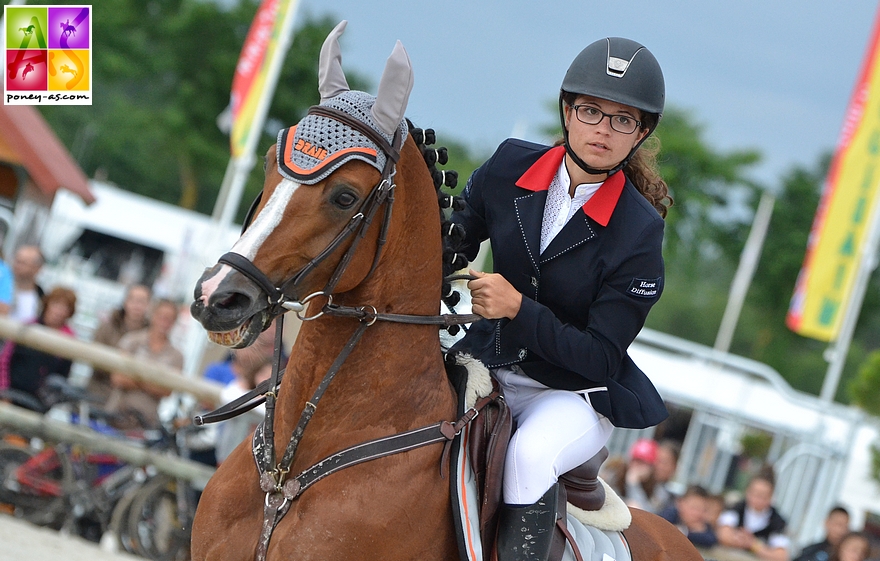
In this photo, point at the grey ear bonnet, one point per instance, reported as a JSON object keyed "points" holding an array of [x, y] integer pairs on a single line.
{"points": [[310, 151]]}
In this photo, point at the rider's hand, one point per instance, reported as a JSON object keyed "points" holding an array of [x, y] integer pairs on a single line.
{"points": [[493, 297]]}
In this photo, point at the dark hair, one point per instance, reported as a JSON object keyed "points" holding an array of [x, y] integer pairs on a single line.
{"points": [[642, 167], [840, 509]]}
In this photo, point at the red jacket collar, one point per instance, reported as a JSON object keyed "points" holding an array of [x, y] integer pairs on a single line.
{"points": [[601, 204]]}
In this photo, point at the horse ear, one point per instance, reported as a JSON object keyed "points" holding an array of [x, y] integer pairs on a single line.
{"points": [[331, 79], [394, 89]]}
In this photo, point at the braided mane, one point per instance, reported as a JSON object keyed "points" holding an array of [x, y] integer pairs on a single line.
{"points": [[451, 234]]}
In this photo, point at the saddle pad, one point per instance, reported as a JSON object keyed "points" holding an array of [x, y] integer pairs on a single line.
{"points": [[595, 544]]}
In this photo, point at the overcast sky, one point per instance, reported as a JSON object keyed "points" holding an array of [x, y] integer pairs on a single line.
{"points": [[765, 74]]}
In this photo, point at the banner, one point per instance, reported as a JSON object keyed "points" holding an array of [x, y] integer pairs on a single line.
{"points": [[846, 209], [252, 71]]}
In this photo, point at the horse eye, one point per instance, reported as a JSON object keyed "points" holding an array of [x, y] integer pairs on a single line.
{"points": [[345, 199]]}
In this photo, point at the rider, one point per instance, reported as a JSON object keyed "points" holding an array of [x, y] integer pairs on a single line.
{"points": [[576, 233]]}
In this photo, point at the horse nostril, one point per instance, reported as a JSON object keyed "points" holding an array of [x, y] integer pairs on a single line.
{"points": [[233, 301]]}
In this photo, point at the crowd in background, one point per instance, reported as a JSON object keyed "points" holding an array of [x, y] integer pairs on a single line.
{"points": [[142, 327], [749, 523]]}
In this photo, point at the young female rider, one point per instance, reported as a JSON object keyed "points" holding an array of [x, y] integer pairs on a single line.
{"points": [[576, 233]]}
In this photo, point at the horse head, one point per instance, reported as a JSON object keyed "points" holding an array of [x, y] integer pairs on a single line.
{"points": [[330, 181]]}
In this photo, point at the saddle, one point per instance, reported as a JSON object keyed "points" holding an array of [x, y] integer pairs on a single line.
{"points": [[486, 442]]}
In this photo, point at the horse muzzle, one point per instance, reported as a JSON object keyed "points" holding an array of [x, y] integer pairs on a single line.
{"points": [[230, 307]]}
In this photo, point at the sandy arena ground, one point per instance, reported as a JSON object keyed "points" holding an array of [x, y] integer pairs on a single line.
{"points": [[21, 541]]}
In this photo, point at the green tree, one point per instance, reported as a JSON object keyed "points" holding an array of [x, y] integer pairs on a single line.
{"points": [[864, 389], [705, 229]]}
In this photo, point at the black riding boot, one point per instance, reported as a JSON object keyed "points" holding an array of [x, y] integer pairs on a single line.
{"points": [[525, 533]]}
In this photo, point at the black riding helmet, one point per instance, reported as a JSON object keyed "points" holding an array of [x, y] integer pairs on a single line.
{"points": [[619, 70]]}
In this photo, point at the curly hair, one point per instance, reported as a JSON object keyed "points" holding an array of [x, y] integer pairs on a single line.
{"points": [[642, 171]]}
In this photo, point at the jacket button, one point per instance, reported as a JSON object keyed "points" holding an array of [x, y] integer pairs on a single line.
{"points": [[535, 282], [522, 353]]}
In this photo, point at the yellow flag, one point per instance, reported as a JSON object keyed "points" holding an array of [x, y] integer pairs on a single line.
{"points": [[840, 227]]}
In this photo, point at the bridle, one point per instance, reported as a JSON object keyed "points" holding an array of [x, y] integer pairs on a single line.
{"points": [[281, 490], [279, 297]]}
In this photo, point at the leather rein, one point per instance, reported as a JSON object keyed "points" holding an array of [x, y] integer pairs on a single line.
{"points": [[274, 482]]}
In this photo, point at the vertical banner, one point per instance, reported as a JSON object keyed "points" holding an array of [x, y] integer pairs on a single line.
{"points": [[252, 70], [840, 227]]}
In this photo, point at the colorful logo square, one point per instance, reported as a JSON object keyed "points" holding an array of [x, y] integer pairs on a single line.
{"points": [[68, 70], [26, 27], [69, 27], [48, 55], [27, 70]]}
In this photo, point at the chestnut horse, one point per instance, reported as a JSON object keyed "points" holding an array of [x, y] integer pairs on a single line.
{"points": [[318, 184]]}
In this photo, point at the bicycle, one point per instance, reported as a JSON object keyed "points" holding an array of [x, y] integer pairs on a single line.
{"points": [[160, 515], [62, 486]]}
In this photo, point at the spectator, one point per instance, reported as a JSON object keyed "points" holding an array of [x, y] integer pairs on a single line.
{"points": [[714, 508], [836, 526], [666, 463], [28, 294], [6, 286], [230, 433], [25, 369], [138, 401], [132, 316], [224, 372], [643, 490], [689, 515], [854, 546], [754, 524]]}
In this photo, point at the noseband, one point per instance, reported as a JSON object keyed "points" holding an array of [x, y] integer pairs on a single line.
{"points": [[285, 296]]}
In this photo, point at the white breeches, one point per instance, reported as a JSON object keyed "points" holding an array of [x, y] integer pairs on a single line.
{"points": [[555, 432]]}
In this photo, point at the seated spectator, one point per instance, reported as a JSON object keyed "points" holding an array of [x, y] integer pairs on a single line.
{"points": [[132, 316], [665, 466], [854, 546], [231, 432], [643, 490], [836, 526], [688, 514], [224, 372], [714, 507], [28, 295], [754, 524], [26, 369], [137, 401]]}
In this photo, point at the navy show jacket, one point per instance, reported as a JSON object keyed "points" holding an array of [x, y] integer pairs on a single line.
{"points": [[585, 298]]}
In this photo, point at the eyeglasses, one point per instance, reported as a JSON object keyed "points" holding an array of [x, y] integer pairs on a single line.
{"points": [[589, 115]]}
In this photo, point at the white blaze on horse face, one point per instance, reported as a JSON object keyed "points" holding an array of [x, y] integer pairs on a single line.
{"points": [[257, 233], [266, 222]]}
